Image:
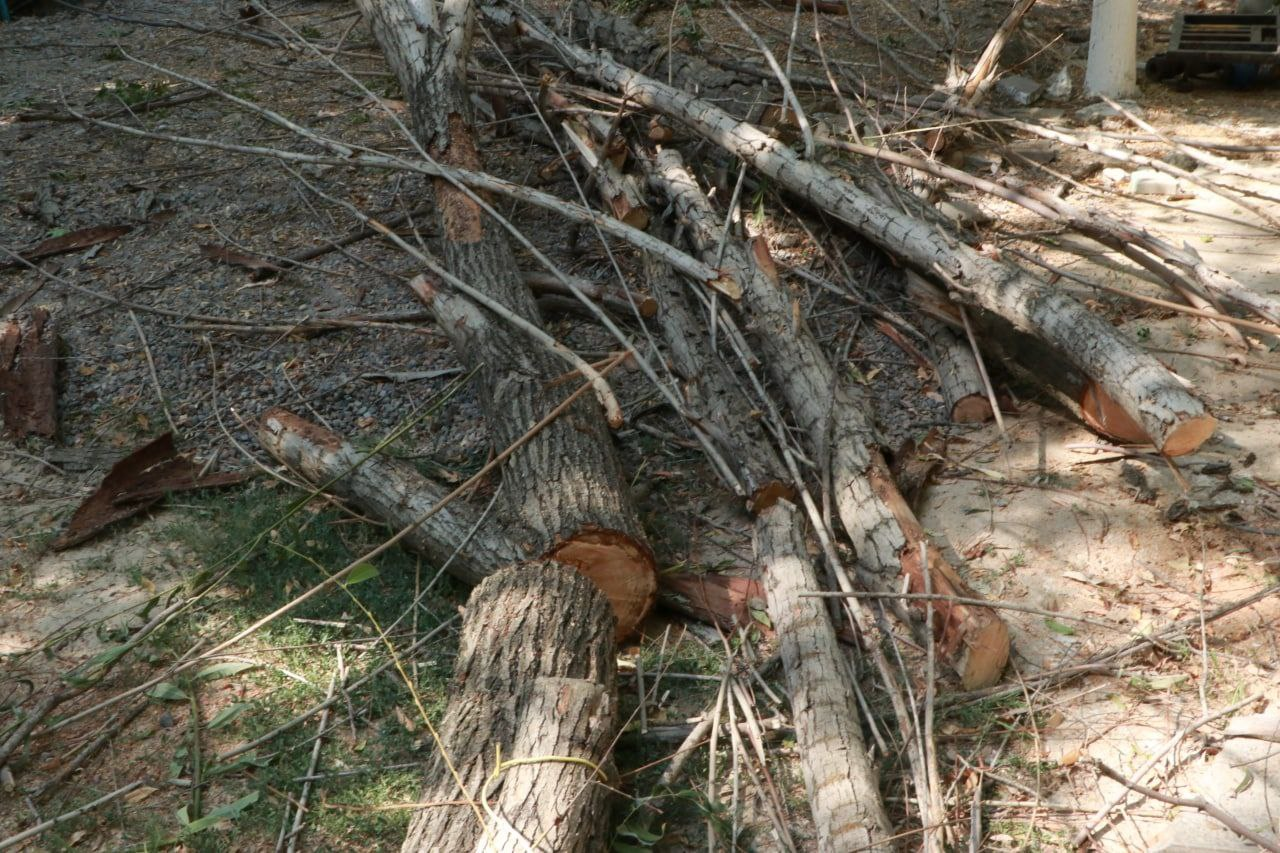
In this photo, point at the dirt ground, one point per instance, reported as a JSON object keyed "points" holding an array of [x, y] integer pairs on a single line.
{"points": [[1098, 544]]}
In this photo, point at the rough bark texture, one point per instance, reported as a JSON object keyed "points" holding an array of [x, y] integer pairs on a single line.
{"points": [[395, 493], [399, 496], [1033, 362], [1175, 420], [535, 676], [565, 485], [707, 387], [882, 527], [958, 374], [838, 775]]}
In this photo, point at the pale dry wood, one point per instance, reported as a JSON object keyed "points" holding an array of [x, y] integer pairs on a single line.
{"points": [[979, 78], [884, 531], [1176, 421], [958, 374], [394, 492], [838, 775]]}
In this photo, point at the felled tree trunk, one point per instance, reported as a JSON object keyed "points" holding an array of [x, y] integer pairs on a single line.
{"points": [[838, 776], [1174, 419], [884, 531], [1031, 360], [565, 486], [395, 493], [535, 685]]}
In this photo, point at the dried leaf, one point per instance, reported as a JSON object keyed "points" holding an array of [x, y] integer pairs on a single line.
{"points": [[137, 795], [82, 239], [260, 268], [135, 483]]}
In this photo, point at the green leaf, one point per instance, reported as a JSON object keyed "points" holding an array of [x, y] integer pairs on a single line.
{"points": [[362, 572], [167, 691], [1058, 628], [227, 714], [231, 811], [223, 670], [249, 759], [640, 833]]}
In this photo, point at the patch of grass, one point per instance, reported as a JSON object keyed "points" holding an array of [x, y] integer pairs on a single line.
{"points": [[295, 658], [133, 92]]}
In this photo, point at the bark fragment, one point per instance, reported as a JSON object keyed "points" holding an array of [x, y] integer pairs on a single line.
{"points": [[28, 377]]}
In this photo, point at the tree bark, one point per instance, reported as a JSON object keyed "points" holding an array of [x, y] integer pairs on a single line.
{"points": [[534, 682], [1032, 361], [838, 776], [884, 531], [1175, 420], [958, 374], [395, 493], [565, 486]]}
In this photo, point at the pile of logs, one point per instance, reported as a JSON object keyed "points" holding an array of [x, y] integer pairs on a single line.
{"points": [[524, 747]]}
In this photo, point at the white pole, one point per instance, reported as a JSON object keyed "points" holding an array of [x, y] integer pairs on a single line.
{"points": [[1113, 44]]}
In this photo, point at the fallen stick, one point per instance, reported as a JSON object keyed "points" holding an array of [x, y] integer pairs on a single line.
{"points": [[14, 840]]}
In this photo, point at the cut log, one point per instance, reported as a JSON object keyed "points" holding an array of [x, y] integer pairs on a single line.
{"points": [[534, 682], [395, 493], [1176, 421], [565, 486], [957, 369], [621, 193], [831, 413], [28, 377], [838, 776], [1030, 360]]}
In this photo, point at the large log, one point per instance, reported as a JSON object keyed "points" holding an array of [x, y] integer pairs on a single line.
{"points": [[565, 486], [884, 531], [1031, 361], [534, 683], [1175, 420], [838, 776]]}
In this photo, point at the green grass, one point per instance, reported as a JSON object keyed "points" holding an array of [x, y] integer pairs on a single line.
{"points": [[295, 657]]}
